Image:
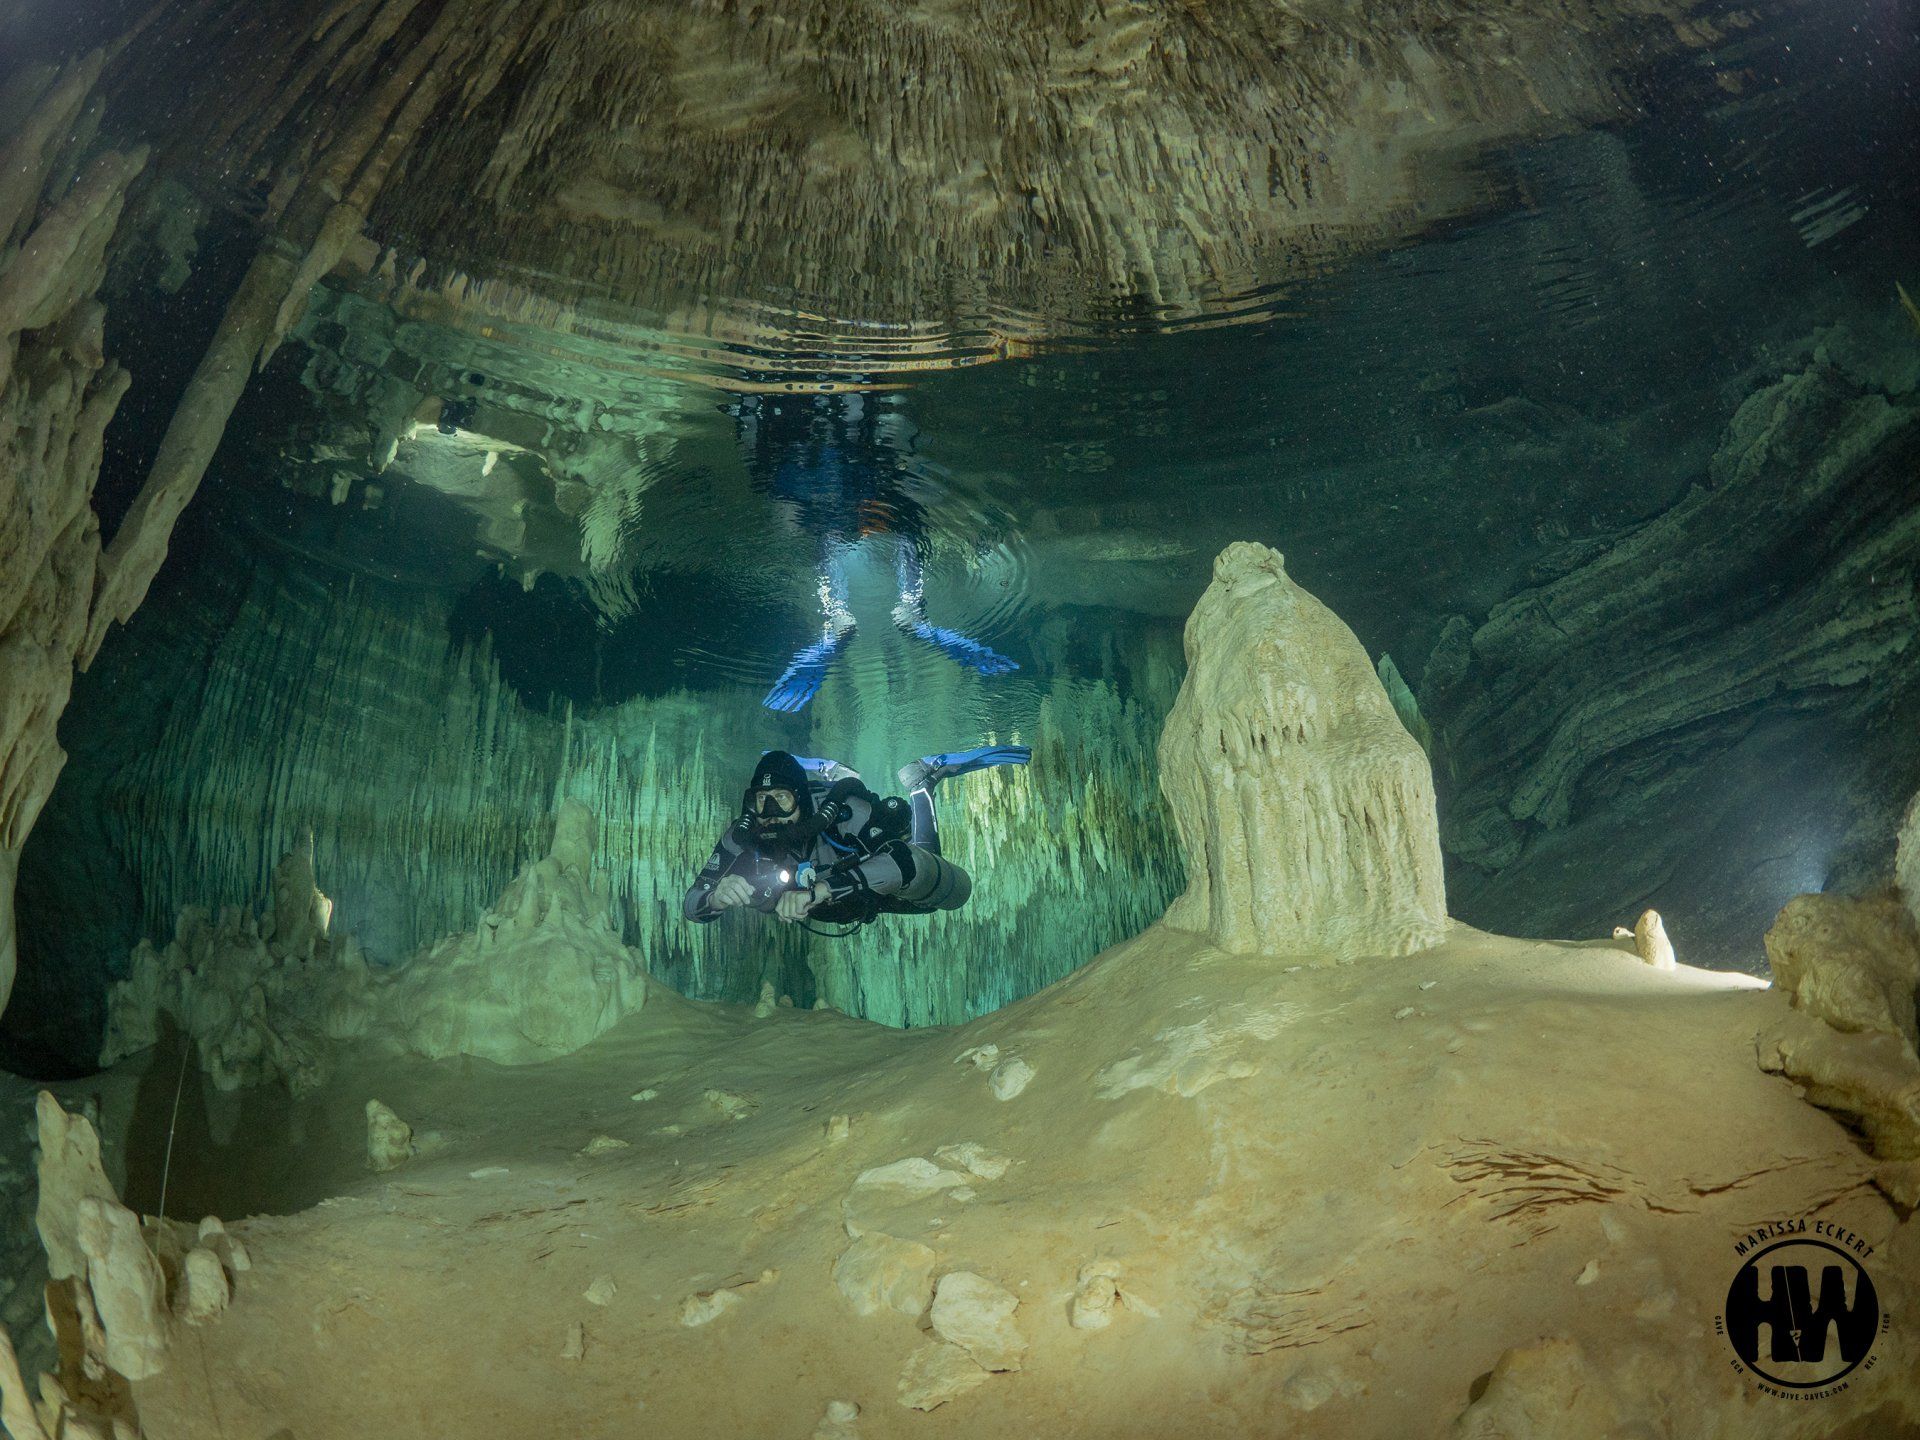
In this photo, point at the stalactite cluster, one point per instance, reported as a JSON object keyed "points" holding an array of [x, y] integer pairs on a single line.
{"points": [[878, 161], [341, 713]]}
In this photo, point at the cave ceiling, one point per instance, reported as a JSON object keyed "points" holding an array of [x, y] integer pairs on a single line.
{"points": [[874, 186], [545, 239]]}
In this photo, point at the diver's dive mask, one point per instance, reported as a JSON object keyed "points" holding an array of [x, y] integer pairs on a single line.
{"points": [[773, 806]]}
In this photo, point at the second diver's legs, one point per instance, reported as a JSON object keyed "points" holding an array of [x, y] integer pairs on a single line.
{"points": [[910, 615], [802, 678]]}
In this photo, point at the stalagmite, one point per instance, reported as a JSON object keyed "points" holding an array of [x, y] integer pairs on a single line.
{"points": [[1306, 808], [389, 1139], [1650, 940], [542, 974], [69, 1172]]}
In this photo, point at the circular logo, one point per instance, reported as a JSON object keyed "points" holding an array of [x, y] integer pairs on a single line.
{"points": [[1802, 1314]]}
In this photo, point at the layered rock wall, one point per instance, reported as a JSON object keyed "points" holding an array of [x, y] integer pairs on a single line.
{"points": [[1745, 659], [1306, 808]]}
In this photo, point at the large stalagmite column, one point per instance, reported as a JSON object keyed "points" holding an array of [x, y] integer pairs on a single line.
{"points": [[1305, 807]]}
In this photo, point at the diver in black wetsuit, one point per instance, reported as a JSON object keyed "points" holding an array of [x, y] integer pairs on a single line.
{"points": [[839, 465], [812, 842]]}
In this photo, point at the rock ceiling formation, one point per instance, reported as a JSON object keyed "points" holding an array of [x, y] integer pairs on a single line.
{"points": [[878, 166]]}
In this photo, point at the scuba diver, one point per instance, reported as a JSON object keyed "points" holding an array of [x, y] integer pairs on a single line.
{"points": [[839, 465], [812, 842]]}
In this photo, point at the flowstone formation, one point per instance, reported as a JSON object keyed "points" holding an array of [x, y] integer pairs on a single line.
{"points": [[542, 974], [1760, 631], [1306, 808]]}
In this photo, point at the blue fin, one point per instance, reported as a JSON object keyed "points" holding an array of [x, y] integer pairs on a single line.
{"points": [[930, 769], [801, 680], [961, 649]]}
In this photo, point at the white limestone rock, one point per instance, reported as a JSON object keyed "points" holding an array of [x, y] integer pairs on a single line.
{"points": [[70, 1172], [1305, 808], [839, 1421], [601, 1291], [232, 1252], [972, 1312], [204, 1290], [389, 1139], [1650, 941], [1186, 1059], [976, 1159], [1010, 1077], [1097, 1292], [732, 1104], [706, 1306], [127, 1286], [915, 1175], [882, 1272], [936, 1373]]}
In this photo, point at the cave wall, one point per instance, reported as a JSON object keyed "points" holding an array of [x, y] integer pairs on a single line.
{"points": [[1717, 709], [60, 204]]}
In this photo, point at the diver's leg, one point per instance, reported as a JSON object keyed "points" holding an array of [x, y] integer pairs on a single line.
{"points": [[926, 830], [910, 615], [802, 678]]}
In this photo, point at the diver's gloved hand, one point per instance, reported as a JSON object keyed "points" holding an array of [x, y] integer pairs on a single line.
{"points": [[801, 680], [960, 648], [730, 892]]}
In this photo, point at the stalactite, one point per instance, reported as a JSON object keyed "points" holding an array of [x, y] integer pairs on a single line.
{"points": [[425, 782], [1051, 158]]}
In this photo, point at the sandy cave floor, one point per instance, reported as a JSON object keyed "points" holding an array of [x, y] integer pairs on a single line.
{"points": [[1340, 1215]]}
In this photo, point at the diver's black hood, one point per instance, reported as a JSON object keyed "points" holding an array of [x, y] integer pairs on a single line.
{"points": [[778, 770]]}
